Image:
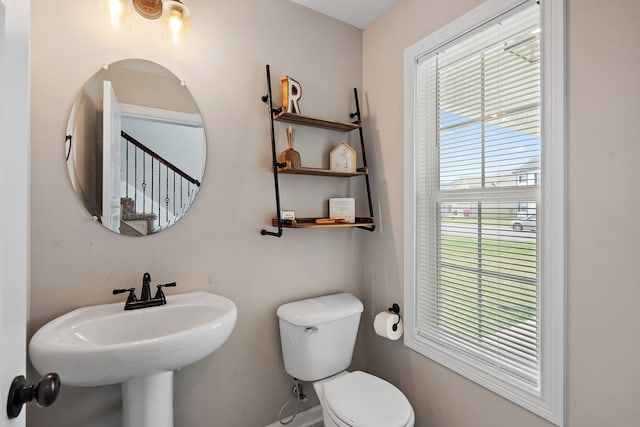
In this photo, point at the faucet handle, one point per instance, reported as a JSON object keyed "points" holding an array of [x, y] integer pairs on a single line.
{"points": [[132, 294], [160, 292]]}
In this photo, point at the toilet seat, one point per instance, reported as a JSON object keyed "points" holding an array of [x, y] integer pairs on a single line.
{"points": [[360, 399]]}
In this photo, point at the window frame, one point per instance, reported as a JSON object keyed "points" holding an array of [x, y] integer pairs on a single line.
{"points": [[549, 400]]}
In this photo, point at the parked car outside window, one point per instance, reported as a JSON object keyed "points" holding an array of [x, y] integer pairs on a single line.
{"points": [[529, 223]]}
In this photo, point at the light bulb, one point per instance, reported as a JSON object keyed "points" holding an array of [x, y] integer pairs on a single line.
{"points": [[176, 17], [116, 11], [175, 22]]}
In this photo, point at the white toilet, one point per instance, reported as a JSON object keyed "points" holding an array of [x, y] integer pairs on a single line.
{"points": [[318, 336]]}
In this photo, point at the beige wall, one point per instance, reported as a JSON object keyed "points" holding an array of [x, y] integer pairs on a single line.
{"points": [[217, 246], [603, 102]]}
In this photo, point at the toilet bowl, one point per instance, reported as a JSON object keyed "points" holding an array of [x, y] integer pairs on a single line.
{"points": [[360, 399], [318, 337]]}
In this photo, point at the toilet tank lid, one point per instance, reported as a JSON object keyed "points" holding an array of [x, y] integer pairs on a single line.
{"points": [[314, 311]]}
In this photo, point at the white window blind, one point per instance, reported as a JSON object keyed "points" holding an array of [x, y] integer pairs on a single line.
{"points": [[479, 120], [484, 200]]}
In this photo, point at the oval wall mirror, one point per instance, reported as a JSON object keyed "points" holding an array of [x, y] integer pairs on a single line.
{"points": [[135, 147]]}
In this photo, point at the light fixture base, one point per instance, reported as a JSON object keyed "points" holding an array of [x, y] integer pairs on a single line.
{"points": [[150, 9]]}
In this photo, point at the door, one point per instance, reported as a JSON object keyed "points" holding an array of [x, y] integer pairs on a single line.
{"points": [[111, 129], [14, 192]]}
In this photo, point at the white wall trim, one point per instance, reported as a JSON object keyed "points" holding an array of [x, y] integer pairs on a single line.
{"points": [[311, 417], [161, 115], [554, 218], [15, 176]]}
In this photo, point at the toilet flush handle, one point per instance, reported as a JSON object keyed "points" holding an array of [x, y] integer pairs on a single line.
{"points": [[311, 329]]}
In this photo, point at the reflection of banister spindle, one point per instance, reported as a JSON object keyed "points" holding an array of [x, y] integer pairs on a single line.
{"points": [[126, 144], [144, 182], [159, 196], [135, 177], [152, 183]]}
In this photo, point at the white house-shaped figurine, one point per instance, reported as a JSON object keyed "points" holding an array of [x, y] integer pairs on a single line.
{"points": [[342, 158]]}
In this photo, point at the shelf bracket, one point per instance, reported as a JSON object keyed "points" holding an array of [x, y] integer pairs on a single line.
{"points": [[271, 233], [363, 151], [268, 98]]}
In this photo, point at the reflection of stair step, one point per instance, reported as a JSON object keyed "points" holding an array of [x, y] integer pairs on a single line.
{"points": [[133, 223], [134, 228]]}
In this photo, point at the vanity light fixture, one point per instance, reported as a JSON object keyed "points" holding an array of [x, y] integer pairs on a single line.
{"points": [[150, 9], [175, 15]]}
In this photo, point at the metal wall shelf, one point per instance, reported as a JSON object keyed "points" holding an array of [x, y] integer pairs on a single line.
{"points": [[365, 223], [311, 223], [299, 119], [321, 172]]}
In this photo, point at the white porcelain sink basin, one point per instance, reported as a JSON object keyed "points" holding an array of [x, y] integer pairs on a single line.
{"points": [[104, 344]]}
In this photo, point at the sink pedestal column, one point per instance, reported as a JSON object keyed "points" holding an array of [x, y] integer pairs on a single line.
{"points": [[148, 401]]}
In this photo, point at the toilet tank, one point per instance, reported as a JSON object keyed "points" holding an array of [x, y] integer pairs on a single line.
{"points": [[318, 335]]}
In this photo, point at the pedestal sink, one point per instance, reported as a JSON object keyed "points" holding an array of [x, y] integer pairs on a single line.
{"points": [[140, 349]]}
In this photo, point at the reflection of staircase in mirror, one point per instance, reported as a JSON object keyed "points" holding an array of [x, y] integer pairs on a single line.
{"points": [[134, 223], [154, 192]]}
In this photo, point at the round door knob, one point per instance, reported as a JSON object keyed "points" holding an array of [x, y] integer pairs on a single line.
{"points": [[44, 393]]}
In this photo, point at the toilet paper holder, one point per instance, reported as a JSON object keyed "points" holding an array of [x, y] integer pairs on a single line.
{"points": [[395, 308]]}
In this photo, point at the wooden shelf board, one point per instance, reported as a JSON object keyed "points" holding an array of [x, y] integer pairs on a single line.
{"points": [[321, 172], [311, 223], [300, 119]]}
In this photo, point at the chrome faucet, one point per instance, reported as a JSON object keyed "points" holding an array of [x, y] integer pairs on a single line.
{"points": [[145, 298]]}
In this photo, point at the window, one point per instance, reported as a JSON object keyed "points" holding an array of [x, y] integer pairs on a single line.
{"points": [[484, 200], [523, 208], [522, 179]]}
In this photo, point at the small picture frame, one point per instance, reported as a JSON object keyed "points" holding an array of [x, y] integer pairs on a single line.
{"points": [[342, 158], [287, 214], [343, 207]]}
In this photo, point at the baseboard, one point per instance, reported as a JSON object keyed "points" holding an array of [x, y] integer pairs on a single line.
{"points": [[311, 417]]}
